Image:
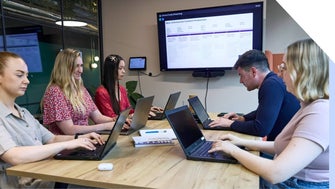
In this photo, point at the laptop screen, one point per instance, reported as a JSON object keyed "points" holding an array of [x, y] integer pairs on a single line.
{"points": [[181, 119], [112, 139], [198, 108], [172, 101]]}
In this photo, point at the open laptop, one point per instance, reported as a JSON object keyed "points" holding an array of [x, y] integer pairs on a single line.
{"points": [[202, 114], [191, 139], [140, 117], [171, 103], [101, 150]]}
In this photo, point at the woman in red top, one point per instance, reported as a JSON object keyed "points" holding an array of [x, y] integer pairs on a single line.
{"points": [[111, 98]]}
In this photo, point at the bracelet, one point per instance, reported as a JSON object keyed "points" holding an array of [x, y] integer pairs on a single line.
{"points": [[76, 135]]}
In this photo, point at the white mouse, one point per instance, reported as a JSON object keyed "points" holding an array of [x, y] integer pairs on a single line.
{"points": [[105, 166]]}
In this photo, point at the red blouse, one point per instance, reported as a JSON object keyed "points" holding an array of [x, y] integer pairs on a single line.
{"points": [[102, 100], [56, 107]]}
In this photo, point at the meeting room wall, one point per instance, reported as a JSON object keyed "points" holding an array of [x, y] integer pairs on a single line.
{"points": [[129, 29]]}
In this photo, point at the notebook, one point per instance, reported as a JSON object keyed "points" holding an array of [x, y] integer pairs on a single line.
{"points": [[191, 139], [202, 114], [101, 150], [141, 113], [171, 103]]}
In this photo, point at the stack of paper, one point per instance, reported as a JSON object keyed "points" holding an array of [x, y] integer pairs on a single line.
{"points": [[141, 141]]}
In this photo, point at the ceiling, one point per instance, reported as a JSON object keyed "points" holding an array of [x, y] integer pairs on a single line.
{"points": [[49, 11]]}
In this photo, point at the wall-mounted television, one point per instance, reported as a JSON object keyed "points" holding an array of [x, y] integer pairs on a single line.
{"points": [[209, 39]]}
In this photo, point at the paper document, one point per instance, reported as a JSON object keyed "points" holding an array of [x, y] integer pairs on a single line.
{"points": [[141, 141]]}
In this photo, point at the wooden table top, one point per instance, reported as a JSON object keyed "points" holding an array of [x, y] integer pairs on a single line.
{"points": [[144, 167]]}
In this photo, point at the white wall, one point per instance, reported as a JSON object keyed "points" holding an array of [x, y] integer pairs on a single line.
{"points": [[129, 29], [281, 29]]}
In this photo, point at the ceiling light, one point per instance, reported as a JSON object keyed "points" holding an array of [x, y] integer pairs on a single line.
{"points": [[71, 23]]}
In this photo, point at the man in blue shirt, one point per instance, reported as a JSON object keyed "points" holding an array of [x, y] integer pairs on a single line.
{"points": [[276, 105]]}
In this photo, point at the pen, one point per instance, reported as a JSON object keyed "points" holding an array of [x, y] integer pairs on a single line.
{"points": [[151, 132]]}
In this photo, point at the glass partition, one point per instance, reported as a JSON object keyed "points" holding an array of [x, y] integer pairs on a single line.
{"points": [[29, 29]]}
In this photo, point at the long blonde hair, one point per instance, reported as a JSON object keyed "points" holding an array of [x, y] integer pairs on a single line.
{"points": [[308, 67], [62, 76]]}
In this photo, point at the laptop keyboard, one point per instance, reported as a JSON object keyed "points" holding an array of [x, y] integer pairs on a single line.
{"points": [[84, 151], [158, 116], [207, 122], [127, 131], [203, 150]]}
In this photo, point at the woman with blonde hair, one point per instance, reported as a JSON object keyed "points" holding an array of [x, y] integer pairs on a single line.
{"points": [[67, 105], [302, 148], [22, 138]]}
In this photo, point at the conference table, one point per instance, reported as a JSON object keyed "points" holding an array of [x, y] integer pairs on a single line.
{"points": [[144, 167]]}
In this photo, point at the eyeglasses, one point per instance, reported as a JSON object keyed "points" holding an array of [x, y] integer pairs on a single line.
{"points": [[282, 67]]}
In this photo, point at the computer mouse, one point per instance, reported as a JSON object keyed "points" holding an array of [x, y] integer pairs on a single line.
{"points": [[221, 114], [105, 166]]}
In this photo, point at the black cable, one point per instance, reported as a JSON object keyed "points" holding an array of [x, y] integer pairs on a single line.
{"points": [[150, 74]]}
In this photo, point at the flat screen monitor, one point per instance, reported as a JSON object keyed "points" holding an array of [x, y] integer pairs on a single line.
{"points": [[137, 63], [208, 38], [24, 41]]}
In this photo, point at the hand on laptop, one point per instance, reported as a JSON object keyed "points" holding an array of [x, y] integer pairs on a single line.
{"points": [[221, 122], [233, 116], [156, 109], [152, 114], [86, 143], [225, 146], [233, 139], [94, 137], [127, 124]]}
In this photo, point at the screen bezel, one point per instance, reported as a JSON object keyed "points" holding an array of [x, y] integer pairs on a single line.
{"points": [[209, 11], [133, 67]]}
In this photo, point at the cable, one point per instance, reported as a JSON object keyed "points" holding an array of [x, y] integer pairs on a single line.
{"points": [[207, 83], [139, 78], [150, 74], [139, 82]]}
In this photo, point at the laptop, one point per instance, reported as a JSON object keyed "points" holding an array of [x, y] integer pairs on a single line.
{"points": [[171, 103], [191, 139], [102, 150], [141, 114], [202, 114]]}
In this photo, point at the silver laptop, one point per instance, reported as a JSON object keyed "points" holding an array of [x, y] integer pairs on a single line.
{"points": [[140, 117], [170, 104], [191, 139], [101, 150]]}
